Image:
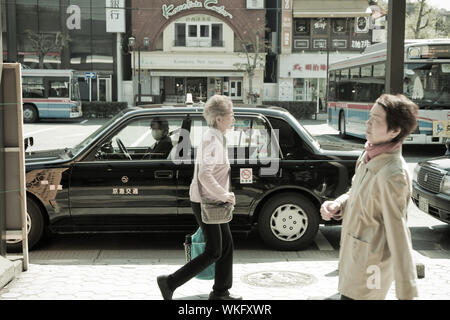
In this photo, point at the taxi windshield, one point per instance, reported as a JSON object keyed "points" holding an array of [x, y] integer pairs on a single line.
{"points": [[93, 135]]}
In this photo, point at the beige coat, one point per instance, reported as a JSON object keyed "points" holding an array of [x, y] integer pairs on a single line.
{"points": [[375, 240]]}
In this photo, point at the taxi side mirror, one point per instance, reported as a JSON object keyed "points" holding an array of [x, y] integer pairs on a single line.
{"points": [[28, 142]]}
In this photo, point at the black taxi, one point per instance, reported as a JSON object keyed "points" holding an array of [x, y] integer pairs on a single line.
{"points": [[114, 182]]}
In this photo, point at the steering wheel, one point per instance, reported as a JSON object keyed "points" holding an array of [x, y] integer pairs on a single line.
{"points": [[123, 149]]}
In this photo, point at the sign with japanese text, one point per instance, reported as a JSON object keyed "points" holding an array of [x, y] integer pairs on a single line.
{"points": [[115, 15], [441, 128], [286, 26]]}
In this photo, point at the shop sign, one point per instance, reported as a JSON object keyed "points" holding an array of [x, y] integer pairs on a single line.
{"points": [[360, 44], [170, 10], [286, 26], [441, 128], [320, 24], [157, 61], [115, 16], [73, 21], [309, 67]]}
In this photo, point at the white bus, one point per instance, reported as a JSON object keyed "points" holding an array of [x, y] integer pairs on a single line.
{"points": [[50, 93], [355, 83]]}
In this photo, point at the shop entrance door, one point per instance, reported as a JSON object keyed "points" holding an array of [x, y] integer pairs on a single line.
{"points": [[198, 88], [236, 89], [104, 89]]}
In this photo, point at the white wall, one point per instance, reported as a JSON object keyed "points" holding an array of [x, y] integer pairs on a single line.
{"points": [[270, 92], [127, 94]]}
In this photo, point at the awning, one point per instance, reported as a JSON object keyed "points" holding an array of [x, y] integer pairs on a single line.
{"points": [[330, 9], [192, 73]]}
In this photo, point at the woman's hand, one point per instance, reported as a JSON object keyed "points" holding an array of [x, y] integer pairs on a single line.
{"points": [[330, 209], [231, 198]]}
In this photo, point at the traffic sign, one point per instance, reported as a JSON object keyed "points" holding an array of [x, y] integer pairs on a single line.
{"points": [[91, 75]]}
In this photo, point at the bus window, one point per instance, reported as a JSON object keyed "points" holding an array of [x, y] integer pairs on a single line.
{"points": [[378, 85], [344, 87], [33, 87], [427, 84], [332, 86], [354, 73], [58, 88]]}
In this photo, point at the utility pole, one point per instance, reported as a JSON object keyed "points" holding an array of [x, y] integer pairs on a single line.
{"points": [[395, 46]]}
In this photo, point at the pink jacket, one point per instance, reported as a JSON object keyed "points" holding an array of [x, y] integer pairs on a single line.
{"points": [[212, 169]]}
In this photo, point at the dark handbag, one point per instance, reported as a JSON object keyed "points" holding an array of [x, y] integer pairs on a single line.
{"points": [[194, 245]]}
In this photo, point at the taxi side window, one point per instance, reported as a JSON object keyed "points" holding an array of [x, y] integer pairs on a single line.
{"points": [[292, 146], [249, 138], [142, 139]]}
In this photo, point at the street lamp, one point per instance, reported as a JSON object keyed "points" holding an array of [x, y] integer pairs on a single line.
{"points": [[132, 45], [326, 46]]}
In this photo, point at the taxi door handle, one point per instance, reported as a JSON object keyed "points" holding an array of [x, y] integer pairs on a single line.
{"points": [[164, 174]]}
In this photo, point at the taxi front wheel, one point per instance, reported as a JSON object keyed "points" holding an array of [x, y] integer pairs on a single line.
{"points": [[35, 228], [288, 222]]}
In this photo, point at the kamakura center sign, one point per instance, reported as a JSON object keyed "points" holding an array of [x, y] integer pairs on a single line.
{"points": [[170, 10]]}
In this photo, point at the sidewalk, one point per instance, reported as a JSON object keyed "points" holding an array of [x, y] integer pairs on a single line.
{"points": [[307, 278]]}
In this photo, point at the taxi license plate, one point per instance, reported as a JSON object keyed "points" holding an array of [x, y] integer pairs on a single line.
{"points": [[423, 204]]}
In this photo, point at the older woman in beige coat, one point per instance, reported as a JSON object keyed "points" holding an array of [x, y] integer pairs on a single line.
{"points": [[375, 240]]}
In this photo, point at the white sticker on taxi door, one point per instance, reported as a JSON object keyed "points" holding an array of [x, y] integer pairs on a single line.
{"points": [[246, 175]]}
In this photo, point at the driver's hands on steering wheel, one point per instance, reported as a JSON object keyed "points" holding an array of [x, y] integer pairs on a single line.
{"points": [[123, 149]]}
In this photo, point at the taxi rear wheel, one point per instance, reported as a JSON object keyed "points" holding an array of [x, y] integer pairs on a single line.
{"points": [[35, 228], [288, 222]]}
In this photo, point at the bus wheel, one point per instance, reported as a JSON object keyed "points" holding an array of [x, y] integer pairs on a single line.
{"points": [[30, 113], [342, 133], [288, 221]]}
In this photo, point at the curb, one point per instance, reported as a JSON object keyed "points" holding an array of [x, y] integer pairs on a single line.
{"points": [[9, 270]]}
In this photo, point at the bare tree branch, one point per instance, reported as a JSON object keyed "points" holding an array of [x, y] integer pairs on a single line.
{"points": [[45, 43]]}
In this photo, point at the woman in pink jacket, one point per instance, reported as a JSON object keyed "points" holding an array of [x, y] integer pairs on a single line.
{"points": [[375, 240], [211, 183]]}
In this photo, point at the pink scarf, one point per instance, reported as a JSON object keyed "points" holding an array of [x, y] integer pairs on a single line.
{"points": [[374, 150]]}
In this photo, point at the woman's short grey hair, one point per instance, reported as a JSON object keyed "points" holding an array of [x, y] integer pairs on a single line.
{"points": [[217, 105]]}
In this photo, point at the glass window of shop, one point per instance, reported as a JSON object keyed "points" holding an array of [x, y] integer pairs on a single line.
{"points": [[39, 37], [310, 89], [87, 46], [91, 46]]}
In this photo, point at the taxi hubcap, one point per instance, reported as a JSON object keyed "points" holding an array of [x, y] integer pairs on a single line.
{"points": [[289, 222], [14, 241]]}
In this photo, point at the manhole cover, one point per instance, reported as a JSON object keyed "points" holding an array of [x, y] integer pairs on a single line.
{"points": [[279, 279]]}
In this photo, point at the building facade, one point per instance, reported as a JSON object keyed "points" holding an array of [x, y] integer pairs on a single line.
{"points": [[250, 50], [312, 35], [201, 47]]}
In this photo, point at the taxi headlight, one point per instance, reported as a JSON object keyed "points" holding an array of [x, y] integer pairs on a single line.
{"points": [[446, 185], [416, 172]]}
